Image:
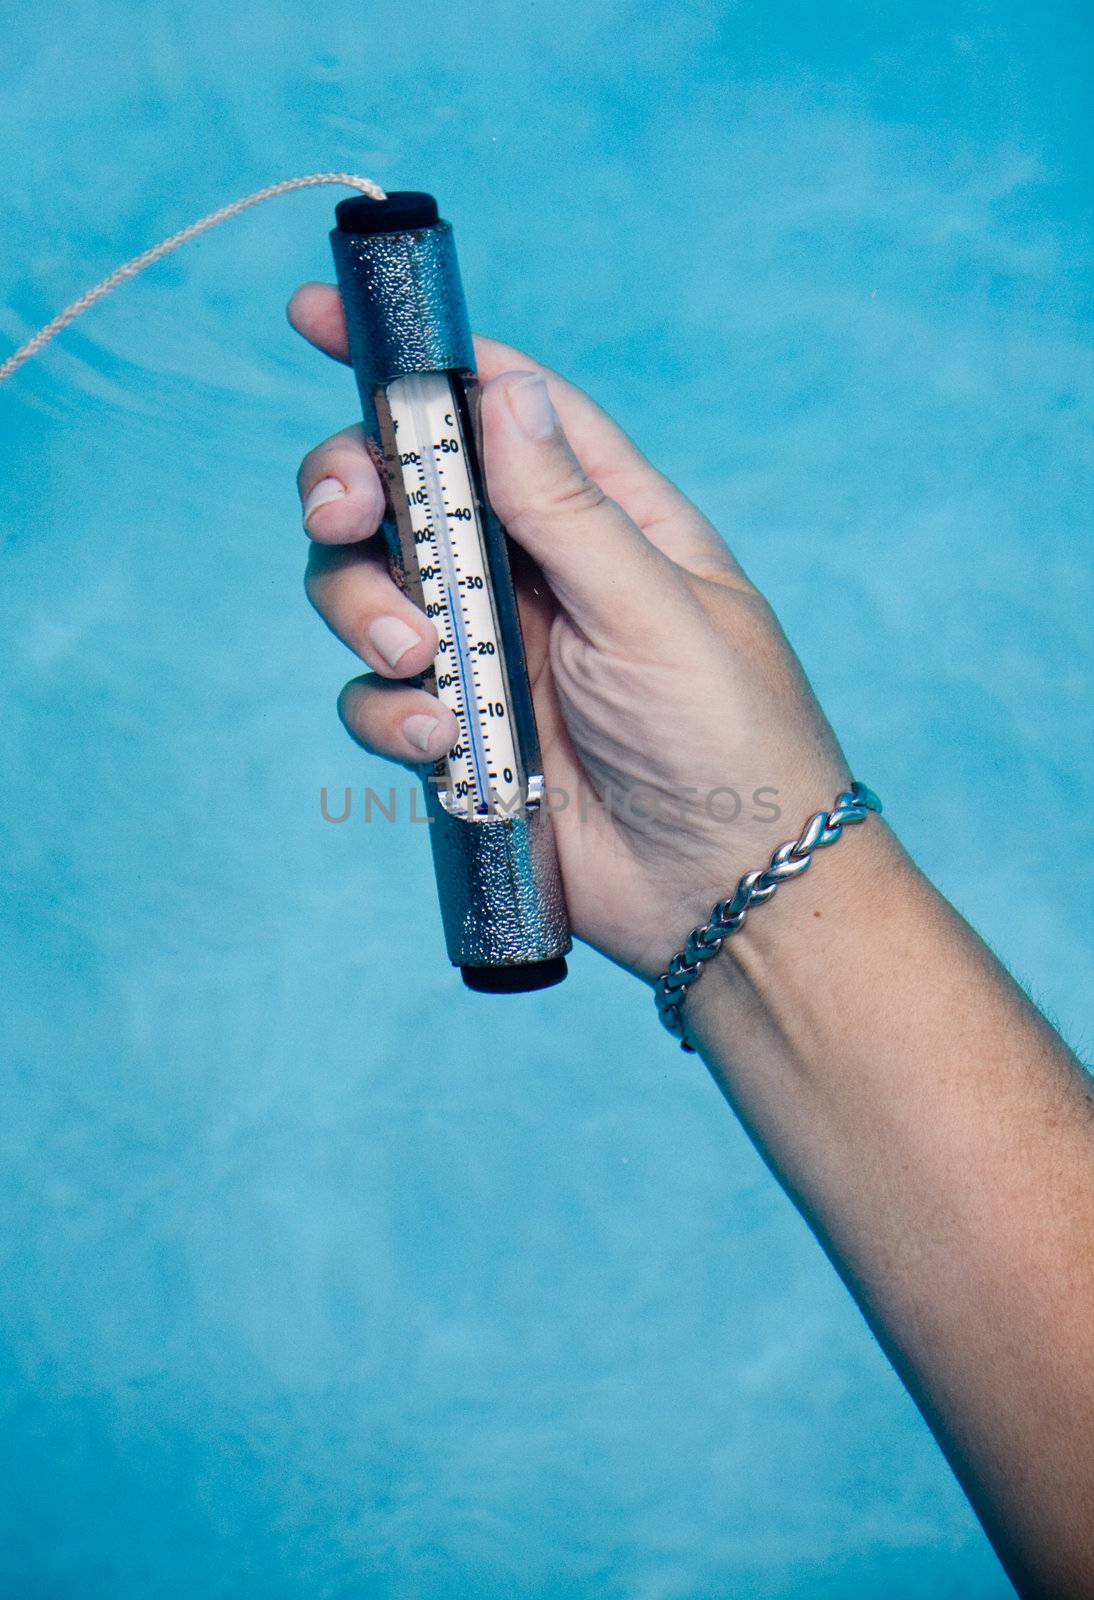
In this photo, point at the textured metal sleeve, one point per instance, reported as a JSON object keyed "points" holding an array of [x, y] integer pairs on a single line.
{"points": [[500, 891], [405, 310]]}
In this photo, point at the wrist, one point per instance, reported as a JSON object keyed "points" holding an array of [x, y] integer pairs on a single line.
{"points": [[788, 863], [795, 966]]}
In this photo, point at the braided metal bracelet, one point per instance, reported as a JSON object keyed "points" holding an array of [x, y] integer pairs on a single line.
{"points": [[789, 861]]}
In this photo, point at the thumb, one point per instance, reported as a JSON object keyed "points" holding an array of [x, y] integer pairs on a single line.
{"points": [[600, 565]]}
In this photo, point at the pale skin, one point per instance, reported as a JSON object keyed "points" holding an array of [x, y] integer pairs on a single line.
{"points": [[932, 1127]]}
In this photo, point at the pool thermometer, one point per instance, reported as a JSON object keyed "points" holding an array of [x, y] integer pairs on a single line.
{"points": [[410, 346]]}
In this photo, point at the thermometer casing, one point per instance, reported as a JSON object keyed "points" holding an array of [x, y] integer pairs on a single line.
{"points": [[498, 881]]}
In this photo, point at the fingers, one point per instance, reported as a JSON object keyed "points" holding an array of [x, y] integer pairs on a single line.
{"points": [[353, 592], [315, 310], [341, 495], [608, 456], [605, 572], [397, 721]]}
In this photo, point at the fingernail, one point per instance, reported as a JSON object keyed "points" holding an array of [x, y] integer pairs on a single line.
{"points": [[392, 637], [321, 494], [531, 406], [419, 731]]}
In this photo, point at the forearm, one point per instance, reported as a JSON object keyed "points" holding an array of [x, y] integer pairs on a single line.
{"points": [[941, 1140], [924, 1116]]}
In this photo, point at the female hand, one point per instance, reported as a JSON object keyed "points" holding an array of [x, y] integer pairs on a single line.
{"points": [[934, 1130], [666, 695]]}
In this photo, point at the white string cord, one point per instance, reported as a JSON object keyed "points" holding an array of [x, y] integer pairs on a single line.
{"points": [[146, 258]]}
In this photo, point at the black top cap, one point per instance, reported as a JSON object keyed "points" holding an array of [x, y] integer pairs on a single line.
{"points": [[399, 213]]}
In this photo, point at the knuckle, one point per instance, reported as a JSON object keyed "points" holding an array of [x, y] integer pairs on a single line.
{"points": [[317, 578], [572, 495], [349, 705], [574, 659], [357, 710], [577, 494], [312, 584]]}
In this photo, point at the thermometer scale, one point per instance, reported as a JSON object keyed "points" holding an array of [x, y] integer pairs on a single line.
{"points": [[429, 449], [411, 350]]}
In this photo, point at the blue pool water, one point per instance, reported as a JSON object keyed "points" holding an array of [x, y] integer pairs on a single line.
{"points": [[321, 1276]]}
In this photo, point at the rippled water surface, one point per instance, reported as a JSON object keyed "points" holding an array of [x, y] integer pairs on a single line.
{"points": [[323, 1277]]}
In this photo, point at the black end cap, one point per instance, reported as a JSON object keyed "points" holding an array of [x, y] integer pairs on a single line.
{"points": [[521, 979], [401, 212]]}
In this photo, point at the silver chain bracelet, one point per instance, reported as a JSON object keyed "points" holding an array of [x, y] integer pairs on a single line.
{"points": [[789, 861]]}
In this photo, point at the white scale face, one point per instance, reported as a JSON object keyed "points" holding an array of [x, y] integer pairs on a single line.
{"points": [[484, 777]]}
